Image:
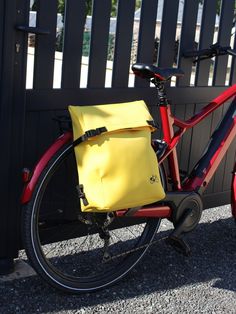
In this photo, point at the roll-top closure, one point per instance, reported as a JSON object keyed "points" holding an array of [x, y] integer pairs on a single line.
{"points": [[121, 116]]}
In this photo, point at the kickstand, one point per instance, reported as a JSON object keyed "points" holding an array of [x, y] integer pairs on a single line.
{"points": [[176, 240], [106, 254]]}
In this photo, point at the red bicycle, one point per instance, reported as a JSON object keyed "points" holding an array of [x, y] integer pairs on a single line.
{"points": [[83, 252]]}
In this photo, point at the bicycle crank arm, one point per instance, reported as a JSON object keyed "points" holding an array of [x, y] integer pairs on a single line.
{"points": [[175, 239]]}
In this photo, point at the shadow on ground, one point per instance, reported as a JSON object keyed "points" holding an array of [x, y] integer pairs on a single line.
{"points": [[213, 259]]}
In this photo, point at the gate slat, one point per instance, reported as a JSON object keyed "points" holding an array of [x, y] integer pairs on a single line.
{"points": [[226, 21], [123, 42], [219, 175], [229, 165], [1, 38], [233, 66], [200, 137], [168, 32], [12, 106], [73, 43], [45, 44], [187, 39], [99, 43], [31, 152], [180, 110], [206, 39], [146, 36], [216, 117], [187, 140]]}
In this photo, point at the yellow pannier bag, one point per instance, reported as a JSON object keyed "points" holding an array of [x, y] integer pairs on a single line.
{"points": [[116, 163]]}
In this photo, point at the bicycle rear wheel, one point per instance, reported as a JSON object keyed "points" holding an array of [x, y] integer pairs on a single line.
{"points": [[68, 248]]}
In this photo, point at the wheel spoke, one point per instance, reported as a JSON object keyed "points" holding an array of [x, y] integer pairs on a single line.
{"points": [[74, 261]]}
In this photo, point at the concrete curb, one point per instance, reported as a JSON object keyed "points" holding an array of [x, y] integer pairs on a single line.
{"points": [[22, 270]]}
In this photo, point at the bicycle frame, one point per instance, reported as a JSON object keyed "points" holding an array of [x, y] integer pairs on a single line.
{"points": [[216, 149]]}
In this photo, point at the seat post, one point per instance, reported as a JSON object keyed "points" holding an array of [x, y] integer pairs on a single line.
{"points": [[161, 93], [167, 122], [160, 86]]}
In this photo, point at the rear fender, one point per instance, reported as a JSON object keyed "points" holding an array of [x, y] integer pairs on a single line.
{"points": [[41, 164]]}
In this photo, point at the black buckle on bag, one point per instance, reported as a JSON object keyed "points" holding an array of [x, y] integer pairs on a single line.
{"points": [[80, 189], [88, 134], [153, 124], [95, 132], [64, 123]]}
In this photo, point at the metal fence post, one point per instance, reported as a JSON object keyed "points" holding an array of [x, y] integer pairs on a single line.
{"points": [[12, 111]]}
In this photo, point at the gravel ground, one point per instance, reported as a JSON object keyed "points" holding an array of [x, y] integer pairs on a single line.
{"points": [[164, 282]]}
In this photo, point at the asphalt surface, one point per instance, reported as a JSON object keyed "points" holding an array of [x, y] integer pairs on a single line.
{"points": [[163, 282]]}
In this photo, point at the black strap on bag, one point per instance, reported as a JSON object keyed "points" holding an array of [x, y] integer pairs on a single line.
{"points": [[88, 134], [98, 131], [83, 138]]}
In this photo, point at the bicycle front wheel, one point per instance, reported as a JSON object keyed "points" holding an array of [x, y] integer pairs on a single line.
{"points": [[70, 249]]}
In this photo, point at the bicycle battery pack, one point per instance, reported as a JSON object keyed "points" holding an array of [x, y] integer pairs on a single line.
{"points": [[117, 166]]}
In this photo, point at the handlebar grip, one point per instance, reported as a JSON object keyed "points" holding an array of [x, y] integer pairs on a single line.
{"points": [[215, 50]]}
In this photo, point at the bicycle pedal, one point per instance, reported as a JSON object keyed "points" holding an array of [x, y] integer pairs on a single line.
{"points": [[179, 245]]}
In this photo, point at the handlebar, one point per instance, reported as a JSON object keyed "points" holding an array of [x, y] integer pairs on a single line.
{"points": [[214, 50]]}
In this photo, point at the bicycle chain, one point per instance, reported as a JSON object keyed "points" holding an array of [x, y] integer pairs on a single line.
{"points": [[106, 256], [108, 259]]}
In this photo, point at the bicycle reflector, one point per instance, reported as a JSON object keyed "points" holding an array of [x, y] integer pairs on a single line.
{"points": [[25, 175]]}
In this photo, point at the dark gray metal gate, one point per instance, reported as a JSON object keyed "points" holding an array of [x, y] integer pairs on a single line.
{"points": [[26, 114]]}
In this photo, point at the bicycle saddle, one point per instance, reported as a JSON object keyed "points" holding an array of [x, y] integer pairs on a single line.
{"points": [[149, 71]]}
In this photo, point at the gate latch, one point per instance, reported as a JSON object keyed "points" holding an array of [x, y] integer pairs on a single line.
{"points": [[33, 30]]}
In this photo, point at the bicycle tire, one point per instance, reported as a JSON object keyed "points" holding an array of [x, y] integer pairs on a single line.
{"points": [[39, 240]]}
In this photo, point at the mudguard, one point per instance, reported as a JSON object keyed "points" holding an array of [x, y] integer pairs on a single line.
{"points": [[41, 164]]}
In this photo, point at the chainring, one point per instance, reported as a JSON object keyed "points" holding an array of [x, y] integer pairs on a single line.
{"points": [[193, 202]]}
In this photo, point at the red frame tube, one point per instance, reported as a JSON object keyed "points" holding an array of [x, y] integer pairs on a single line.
{"points": [[171, 139], [148, 211], [208, 109]]}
